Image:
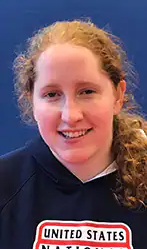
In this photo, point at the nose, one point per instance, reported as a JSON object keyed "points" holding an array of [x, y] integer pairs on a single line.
{"points": [[71, 113]]}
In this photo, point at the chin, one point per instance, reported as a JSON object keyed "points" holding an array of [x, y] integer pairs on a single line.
{"points": [[74, 157]]}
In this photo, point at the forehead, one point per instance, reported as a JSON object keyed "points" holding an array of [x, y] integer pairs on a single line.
{"points": [[58, 56], [67, 64]]}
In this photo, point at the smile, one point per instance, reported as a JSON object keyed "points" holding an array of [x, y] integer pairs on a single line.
{"points": [[72, 135]]}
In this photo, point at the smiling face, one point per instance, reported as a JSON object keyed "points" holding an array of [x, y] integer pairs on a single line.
{"points": [[74, 103]]}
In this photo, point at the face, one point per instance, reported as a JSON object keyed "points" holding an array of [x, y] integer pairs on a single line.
{"points": [[74, 103]]}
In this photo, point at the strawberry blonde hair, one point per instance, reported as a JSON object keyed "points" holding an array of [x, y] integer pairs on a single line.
{"points": [[129, 145]]}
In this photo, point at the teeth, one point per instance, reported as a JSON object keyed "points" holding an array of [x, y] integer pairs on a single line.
{"points": [[74, 134]]}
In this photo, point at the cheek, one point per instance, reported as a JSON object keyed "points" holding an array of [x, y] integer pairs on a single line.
{"points": [[102, 114], [103, 127], [102, 121], [46, 117]]}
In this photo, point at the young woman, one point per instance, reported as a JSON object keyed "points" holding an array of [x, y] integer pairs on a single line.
{"points": [[83, 183]]}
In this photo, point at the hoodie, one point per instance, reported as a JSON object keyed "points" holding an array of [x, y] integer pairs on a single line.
{"points": [[44, 206]]}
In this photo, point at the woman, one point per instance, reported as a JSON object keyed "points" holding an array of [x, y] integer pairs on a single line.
{"points": [[83, 183]]}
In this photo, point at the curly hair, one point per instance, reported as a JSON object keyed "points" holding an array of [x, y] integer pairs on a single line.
{"points": [[129, 145]]}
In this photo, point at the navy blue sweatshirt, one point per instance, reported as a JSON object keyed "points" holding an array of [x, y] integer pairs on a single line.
{"points": [[43, 205]]}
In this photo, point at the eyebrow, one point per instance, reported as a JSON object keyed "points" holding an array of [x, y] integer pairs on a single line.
{"points": [[78, 83]]}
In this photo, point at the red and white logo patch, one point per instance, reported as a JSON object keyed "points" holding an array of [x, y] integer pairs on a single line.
{"points": [[82, 235]]}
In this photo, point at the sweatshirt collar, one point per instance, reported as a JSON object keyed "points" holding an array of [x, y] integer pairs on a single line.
{"points": [[110, 169], [52, 167]]}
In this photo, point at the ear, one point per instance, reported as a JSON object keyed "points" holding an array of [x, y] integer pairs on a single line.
{"points": [[120, 92]]}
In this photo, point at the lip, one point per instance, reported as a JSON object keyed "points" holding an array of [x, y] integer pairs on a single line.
{"points": [[73, 131], [74, 140]]}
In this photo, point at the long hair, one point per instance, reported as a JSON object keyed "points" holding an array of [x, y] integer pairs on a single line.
{"points": [[129, 144]]}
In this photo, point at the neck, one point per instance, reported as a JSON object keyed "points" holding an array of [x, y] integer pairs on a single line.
{"points": [[89, 169]]}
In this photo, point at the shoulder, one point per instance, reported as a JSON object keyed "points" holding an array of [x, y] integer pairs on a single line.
{"points": [[16, 168], [13, 156], [14, 161]]}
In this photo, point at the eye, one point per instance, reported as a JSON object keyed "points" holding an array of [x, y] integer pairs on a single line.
{"points": [[53, 95], [87, 91]]}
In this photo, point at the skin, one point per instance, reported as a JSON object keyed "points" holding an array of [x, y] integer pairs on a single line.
{"points": [[72, 92]]}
